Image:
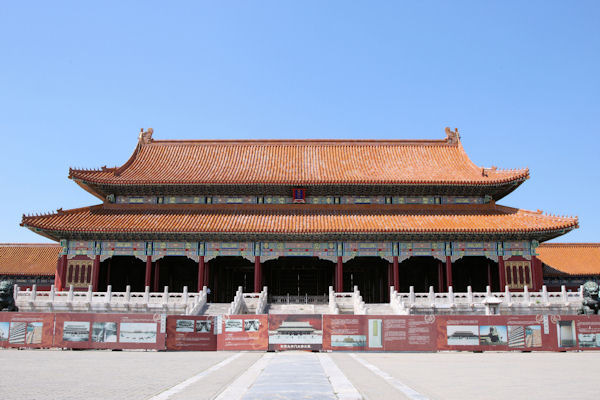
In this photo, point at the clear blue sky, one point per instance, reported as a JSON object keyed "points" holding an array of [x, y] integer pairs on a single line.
{"points": [[520, 80]]}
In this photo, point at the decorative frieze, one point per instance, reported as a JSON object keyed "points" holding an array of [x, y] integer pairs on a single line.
{"points": [[485, 249], [431, 249], [202, 199], [368, 249], [272, 250]]}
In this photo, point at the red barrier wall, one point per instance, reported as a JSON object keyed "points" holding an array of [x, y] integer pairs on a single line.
{"points": [[110, 331], [293, 331], [194, 333], [26, 329], [243, 332]]}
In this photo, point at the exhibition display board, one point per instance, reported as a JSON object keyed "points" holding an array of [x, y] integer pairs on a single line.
{"points": [[110, 331], [192, 333], [312, 332], [379, 333], [26, 329]]}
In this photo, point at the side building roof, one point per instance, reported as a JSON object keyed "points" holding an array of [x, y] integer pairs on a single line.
{"points": [[570, 258], [299, 222], [304, 163], [35, 259]]}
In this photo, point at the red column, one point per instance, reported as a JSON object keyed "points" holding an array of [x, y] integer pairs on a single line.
{"points": [[396, 274], [200, 273], [339, 275], [537, 276], [59, 278], [390, 275], [156, 275], [440, 276], [96, 278], [448, 272], [148, 278], [501, 273], [257, 274]]}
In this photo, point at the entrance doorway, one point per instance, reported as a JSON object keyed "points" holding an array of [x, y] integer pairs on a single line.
{"points": [[475, 271], [298, 276], [120, 271], [177, 272], [421, 272], [226, 274], [371, 276]]}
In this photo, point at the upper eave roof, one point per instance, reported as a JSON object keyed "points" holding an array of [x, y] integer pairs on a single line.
{"points": [[299, 163], [28, 258], [571, 258], [301, 219]]}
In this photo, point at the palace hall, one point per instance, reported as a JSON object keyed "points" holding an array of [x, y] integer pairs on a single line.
{"points": [[299, 216]]}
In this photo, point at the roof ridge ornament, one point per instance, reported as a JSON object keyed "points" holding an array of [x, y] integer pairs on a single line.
{"points": [[452, 137], [145, 137]]}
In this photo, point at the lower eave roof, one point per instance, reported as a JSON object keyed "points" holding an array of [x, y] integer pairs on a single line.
{"points": [[577, 259], [28, 259], [300, 219]]}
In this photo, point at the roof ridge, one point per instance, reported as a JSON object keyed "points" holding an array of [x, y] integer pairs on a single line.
{"points": [[572, 244], [29, 245]]}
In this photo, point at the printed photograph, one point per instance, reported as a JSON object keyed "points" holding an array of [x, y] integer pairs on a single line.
{"points": [[251, 325], [104, 332], [18, 331], [588, 340], [516, 336], [348, 340], [137, 332], [234, 325], [4, 330], [566, 333], [462, 335], [493, 335], [184, 325], [34, 333], [533, 336], [76, 331], [203, 326]]}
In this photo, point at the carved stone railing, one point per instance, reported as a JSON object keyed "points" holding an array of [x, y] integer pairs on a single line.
{"points": [[109, 301], [487, 302], [238, 306]]}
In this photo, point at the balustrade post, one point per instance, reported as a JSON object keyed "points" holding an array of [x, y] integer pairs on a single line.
{"points": [[185, 295], [527, 295], [33, 292], [507, 295], [70, 295], [127, 294], [147, 294], [89, 293], [51, 293], [545, 294], [411, 295], [563, 292], [108, 295], [470, 295], [451, 295]]}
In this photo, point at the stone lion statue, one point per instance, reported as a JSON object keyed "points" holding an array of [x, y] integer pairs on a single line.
{"points": [[7, 298], [591, 302]]}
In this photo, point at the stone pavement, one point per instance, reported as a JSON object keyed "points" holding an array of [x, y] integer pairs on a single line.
{"points": [[55, 374]]}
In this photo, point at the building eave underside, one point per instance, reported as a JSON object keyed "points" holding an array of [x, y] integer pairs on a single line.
{"points": [[540, 236], [496, 191]]}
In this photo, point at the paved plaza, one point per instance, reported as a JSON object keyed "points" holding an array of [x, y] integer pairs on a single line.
{"points": [[55, 374]]}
